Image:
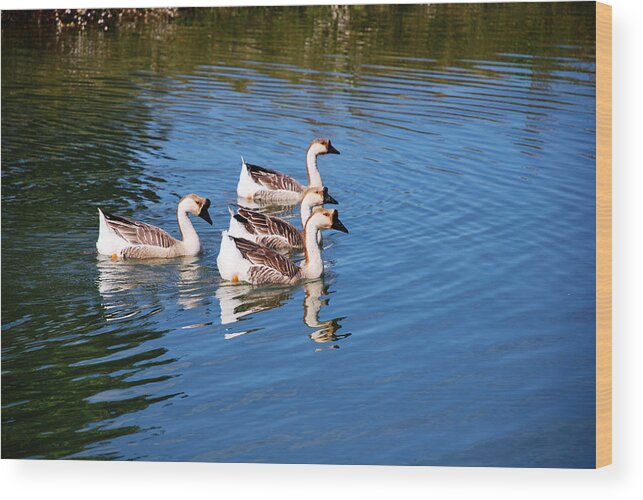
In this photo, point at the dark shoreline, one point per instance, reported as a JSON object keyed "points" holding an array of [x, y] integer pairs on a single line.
{"points": [[81, 19]]}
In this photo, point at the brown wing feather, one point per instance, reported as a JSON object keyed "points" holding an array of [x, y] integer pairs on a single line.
{"points": [[265, 257], [258, 223], [260, 275], [276, 243], [138, 252], [138, 233], [272, 179], [277, 197]]}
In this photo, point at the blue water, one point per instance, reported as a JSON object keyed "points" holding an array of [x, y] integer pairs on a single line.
{"points": [[454, 324]]}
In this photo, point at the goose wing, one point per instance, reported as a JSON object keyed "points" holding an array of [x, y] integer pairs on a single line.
{"points": [[138, 233], [270, 179], [260, 275], [275, 232], [272, 264]]}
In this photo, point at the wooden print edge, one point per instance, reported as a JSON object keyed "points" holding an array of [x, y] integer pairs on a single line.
{"points": [[603, 234]]}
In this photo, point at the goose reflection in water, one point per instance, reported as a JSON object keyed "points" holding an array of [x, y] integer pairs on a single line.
{"points": [[325, 331], [286, 211], [125, 288], [134, 288], [194, 283], [239, 300]]}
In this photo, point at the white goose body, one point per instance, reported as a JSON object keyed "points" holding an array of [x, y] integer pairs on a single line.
{"points": [[275, 232], [267, 186], [121, 237], [240, 259]]}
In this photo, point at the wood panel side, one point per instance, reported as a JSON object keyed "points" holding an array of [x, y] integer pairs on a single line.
{"points": [[603, 235]]}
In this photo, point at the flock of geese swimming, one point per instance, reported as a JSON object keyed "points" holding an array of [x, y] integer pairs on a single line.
{"points": [[254, 248]]}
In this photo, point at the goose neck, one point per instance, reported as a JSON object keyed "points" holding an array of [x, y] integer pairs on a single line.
{"points": [[305, 211], [189, 236], [314, 179], [313, 266]]}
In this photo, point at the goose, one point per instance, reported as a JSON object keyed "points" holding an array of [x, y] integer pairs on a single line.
{"points": [[275, 232], [268, 186], [240, 259], [120, 237]]}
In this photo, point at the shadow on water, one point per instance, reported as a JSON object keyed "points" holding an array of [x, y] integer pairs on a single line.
{"points": [[72, 135], [76, 381]]}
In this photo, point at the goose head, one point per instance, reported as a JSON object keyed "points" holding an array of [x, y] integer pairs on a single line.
{"points": [[196, 205], [322, 147], [326, 218], [317, 196]]}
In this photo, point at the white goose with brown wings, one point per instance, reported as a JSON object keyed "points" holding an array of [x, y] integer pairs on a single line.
{"points": [[274, 232], [121, 237], [264, 185], [240, 259]]}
